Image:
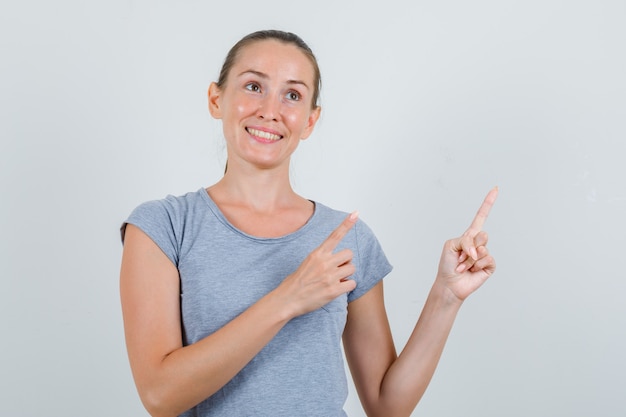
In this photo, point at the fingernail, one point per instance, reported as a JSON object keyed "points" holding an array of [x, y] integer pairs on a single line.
{"points": [[460, 268], [354, 215]]}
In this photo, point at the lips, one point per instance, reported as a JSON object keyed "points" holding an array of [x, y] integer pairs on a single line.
{"points": [[264, 135]]}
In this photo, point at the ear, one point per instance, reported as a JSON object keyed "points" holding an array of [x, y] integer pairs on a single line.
{"points": [[215, 95], [313, 118]]}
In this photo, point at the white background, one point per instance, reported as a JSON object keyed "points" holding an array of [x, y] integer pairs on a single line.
{"points": [[427, 105]]}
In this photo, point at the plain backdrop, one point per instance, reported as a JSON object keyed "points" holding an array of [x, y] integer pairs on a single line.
{"points": [[426, 106]]}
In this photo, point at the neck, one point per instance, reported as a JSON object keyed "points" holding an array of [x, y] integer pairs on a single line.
{"points": [[261, 190]]}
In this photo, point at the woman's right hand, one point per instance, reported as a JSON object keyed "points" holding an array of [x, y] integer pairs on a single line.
{"points": [[323, 275]]}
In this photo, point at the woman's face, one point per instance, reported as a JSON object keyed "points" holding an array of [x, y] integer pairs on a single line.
{"points": [[265, 106]]}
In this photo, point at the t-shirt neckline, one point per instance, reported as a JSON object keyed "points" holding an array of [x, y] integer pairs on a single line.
{"points": [[279, 239]]}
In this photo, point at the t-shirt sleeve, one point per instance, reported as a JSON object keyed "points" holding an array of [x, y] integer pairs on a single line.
{"points": [[372, 261], [158, 220]]}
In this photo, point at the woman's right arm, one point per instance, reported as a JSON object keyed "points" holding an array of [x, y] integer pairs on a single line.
{"points": [[172, 378]]}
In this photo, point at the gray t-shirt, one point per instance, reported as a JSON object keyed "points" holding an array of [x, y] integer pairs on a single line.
{"points": [[223, 271]]}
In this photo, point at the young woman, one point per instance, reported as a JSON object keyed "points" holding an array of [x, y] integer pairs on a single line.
{"points": [[236, 297]]}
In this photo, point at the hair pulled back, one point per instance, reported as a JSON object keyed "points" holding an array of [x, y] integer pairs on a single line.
{"points": [[278, 35]]}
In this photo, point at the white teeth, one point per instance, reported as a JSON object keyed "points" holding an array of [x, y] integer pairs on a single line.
{"points": [[263, 135]]}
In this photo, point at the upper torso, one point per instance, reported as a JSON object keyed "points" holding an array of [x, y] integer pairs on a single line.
{"points": [[223, 271]]}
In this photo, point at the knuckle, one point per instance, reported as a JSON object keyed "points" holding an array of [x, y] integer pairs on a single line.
{"points": [[334, 235], [349, 285], [347, 253], [482, 237], [317, 254]]}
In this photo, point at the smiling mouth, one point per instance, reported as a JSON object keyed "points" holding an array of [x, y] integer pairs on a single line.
{"points": [[263, 135]]}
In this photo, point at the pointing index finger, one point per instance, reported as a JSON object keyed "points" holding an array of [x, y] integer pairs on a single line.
{"points": [[483, 211], [336, 235]]}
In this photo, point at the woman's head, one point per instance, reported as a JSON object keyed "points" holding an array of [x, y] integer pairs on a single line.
{"points": [[276, 35], [266, 98]]}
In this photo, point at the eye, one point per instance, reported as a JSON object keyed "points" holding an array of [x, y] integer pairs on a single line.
{"points": [[253, 87], [293, 95]]}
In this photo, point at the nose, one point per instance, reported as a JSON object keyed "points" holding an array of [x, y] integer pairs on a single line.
{"points": [[269, 108]]}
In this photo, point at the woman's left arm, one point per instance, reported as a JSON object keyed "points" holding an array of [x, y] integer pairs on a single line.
{"points": [[390, 385]]}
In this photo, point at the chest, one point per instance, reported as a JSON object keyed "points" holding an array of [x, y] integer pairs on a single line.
{"points": [[219, 281]]}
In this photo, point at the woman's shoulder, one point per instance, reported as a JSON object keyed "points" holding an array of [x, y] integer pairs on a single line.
{"points": [[328, 213], [333, 217], [171, 203], [172, 210]]}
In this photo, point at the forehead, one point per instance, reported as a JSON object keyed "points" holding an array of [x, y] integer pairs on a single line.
{"points": [[275, 59]]}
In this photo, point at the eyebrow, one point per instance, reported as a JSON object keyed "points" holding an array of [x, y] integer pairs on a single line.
{"points": [[265, 76]]}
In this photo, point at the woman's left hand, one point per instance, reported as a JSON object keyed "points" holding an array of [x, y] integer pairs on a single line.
{"points": [[465, 262]]}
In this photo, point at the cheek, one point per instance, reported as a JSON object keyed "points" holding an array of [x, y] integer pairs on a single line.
{"points": [[243, 106], [240, 106], [297, 119], [241, 109]]}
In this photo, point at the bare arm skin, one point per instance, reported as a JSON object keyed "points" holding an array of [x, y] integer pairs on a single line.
{"points": [[390, 385], [171, 378]]}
